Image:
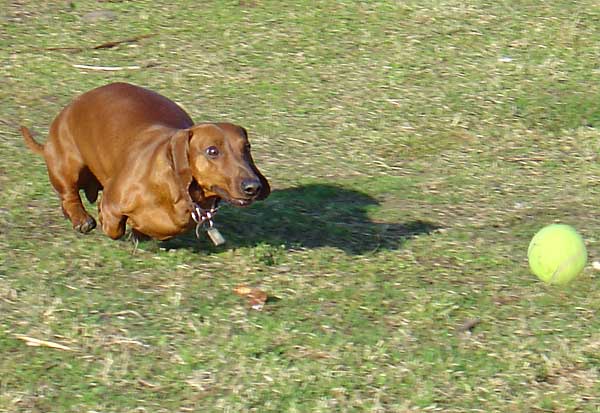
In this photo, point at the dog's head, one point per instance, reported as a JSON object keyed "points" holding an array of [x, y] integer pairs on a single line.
{"points": [[214, 161]]}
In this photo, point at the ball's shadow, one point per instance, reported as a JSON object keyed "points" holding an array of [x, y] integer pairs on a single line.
{"points": [[308, 216]]}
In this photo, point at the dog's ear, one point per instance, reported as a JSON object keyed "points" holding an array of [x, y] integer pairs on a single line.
{"points": [[178, 154], [265, 188]]}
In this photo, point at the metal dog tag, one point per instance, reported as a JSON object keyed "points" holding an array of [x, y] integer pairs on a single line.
{"points": [[215, 236]]}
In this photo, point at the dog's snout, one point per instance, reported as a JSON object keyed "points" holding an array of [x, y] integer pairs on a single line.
{"points": [[251, 187]]}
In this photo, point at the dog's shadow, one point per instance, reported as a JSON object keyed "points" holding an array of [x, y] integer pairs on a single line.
{"points": [[309, 216]]}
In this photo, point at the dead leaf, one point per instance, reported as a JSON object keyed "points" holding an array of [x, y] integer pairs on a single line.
{"points": [[505, 299], [468, 325], [255, 296], [242, 290]]}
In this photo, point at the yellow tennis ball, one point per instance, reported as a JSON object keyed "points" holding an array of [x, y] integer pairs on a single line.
{"points": [[557, 254]]}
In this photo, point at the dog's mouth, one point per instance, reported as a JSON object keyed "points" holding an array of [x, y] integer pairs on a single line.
{"points": [[199, 196], [238, 202]]}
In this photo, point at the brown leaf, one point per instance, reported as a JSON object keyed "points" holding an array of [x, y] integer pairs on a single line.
{"points": [[255, 296], [242, 290], [505, 299], [468, 325]]}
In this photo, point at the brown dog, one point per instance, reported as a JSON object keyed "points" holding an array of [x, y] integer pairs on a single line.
{"points": [[154, 166]]}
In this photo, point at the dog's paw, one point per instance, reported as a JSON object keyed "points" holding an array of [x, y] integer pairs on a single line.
{"points": [[86, 226]]}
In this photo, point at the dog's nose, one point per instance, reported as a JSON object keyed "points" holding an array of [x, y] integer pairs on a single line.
{"points": [[250, 187]]}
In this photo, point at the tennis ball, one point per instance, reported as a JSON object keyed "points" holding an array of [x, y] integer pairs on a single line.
{"points": [[557, 254]]}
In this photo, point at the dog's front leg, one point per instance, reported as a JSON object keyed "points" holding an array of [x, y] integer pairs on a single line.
{"points": [[111, 218]]}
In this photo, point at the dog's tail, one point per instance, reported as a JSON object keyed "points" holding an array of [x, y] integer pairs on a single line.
{"points": [[31, 143]]}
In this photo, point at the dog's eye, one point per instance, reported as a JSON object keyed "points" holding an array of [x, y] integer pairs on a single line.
{"points": [[212, 151]]}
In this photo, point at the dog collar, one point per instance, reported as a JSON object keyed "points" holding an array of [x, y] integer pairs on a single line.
{"points": [[204, 219], [203, 216]]}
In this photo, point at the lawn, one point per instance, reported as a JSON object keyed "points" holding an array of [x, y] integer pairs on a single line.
{"points": [[413, 147]]}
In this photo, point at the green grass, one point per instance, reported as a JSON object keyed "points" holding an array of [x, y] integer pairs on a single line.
{"points": [[414, 148]]}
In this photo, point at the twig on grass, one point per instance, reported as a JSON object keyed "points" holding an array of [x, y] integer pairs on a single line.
{"points": [[107, 68], [148, 384], [34, 342], [107, 45], [125, 312], [125, 341], [525, 159]]}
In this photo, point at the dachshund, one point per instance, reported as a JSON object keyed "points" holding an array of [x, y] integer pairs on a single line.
{"points": [[157, 170]]}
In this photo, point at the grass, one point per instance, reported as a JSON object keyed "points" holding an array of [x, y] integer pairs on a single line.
{"points": [[414, 149]]}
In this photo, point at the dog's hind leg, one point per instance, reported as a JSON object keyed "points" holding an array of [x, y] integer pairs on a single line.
{"points": [[65, 173]]}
